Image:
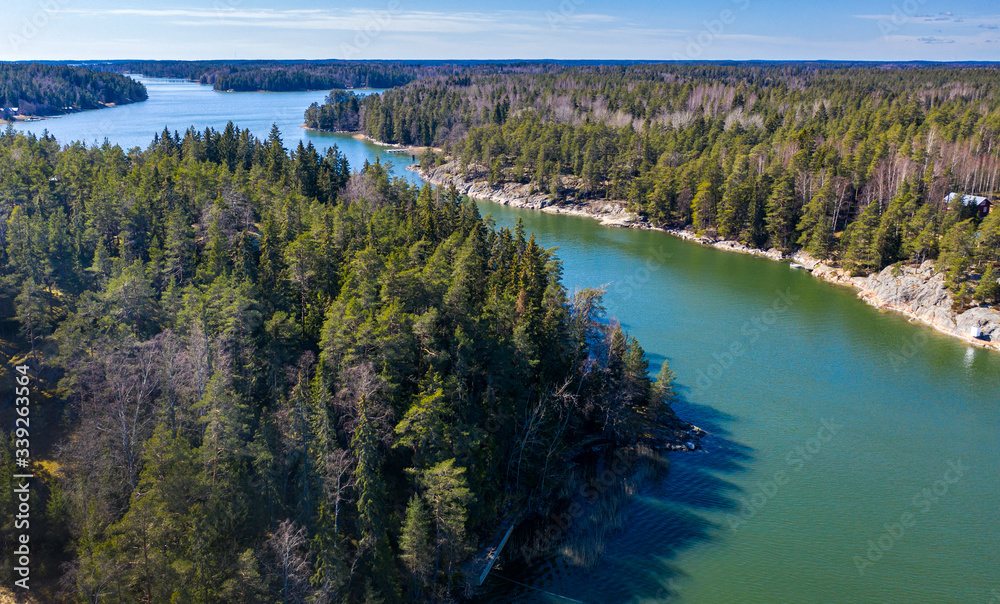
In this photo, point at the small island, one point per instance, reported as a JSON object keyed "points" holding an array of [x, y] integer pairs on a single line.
{"points": [[31, 91]]}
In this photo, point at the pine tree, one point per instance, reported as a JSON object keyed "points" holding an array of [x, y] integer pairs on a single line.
{"points": [[62, 265], [957, 253], [888, 242], [860, 257], [31, 314], [735, 206], [156, 530], [448, 496], [816, 224], [988, 290], [415, 548], [371, 498], [216, 260], [703, 207], [301, 264], [179, 248], [921, 242], [277, 157], [781, 213], [988, 246], [131, 298], [754, 231], [272, 263]]}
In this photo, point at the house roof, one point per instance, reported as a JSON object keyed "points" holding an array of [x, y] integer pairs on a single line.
{"points": [[969, 200]]}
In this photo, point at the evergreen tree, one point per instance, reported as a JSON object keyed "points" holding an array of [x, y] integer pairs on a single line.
{"points": [[988, 290], [781, 213], [703, 207], [957, 253], [178, 248], [861, 256], [31, 314], [415, 548], [448, 496], [371, 497], [816, 225]]}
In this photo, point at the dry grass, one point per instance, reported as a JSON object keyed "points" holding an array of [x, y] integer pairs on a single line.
{"points": [[9, 597]]}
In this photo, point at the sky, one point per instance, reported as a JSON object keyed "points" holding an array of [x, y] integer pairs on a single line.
{"points": [[880, 30]]}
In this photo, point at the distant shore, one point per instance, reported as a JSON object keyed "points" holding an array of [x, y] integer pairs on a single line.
{"points": [[916, 291], [39, 118], [361, 136]]}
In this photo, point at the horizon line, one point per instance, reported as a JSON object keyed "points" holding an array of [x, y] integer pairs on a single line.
{"points": [[513, 60]]}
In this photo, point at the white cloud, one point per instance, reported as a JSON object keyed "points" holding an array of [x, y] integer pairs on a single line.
{"points": [[354, 19], [946, 18], [933, 40]]}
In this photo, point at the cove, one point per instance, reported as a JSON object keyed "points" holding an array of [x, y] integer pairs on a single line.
{"points": [[178, 104]]}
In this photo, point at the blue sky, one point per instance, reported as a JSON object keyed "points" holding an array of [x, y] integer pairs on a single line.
{"points": [[507, 29]]}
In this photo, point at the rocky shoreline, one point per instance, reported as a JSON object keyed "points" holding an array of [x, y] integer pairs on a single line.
{"points": [[39, 118], [361, 136], [916, 291]]}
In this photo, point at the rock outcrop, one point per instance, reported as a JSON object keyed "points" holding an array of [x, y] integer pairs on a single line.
{"points": [[610, 213], [916, 291], [919, 292]]}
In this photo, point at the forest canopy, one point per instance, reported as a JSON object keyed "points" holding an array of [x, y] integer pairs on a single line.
{"points": [[286, 76], [269, 378], [849, 163], [39, 89]]}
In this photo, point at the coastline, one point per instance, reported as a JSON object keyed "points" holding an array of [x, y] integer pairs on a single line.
{"points": [[361, 136], [917, 292], [39, 118]]}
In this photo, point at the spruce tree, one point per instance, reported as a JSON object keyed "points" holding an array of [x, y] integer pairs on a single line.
{"points": [[860, 256], [415, 548], [816, 225], [988, 290], [781, 213]]}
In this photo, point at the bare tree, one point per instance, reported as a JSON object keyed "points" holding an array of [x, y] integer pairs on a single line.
{"points": [[338, 469], [120, 402], [176, 379], [287, 562], [201, 358]]}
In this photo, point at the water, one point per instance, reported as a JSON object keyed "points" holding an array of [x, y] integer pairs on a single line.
{"points": [[827, 417], [179, 104], [859, 409]]}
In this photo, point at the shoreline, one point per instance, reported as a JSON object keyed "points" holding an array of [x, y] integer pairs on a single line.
{"points": [[41, 118], [915, 291], [361, 136]]}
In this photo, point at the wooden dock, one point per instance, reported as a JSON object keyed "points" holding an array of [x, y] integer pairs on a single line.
{"points": [[496, 554]]}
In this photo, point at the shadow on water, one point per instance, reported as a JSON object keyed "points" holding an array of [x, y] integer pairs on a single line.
{"points": [[621, 544]]}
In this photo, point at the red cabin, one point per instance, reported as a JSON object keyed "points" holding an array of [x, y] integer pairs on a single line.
{"points": [[982, 204]]}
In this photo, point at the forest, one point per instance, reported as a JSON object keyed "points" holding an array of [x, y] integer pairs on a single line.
{"points": [[261, 376], [851, 163], [36, 89], [286, 76]]}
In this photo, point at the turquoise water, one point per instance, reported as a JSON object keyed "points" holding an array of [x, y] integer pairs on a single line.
{"points": [[851, 456], [827, 420]]}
